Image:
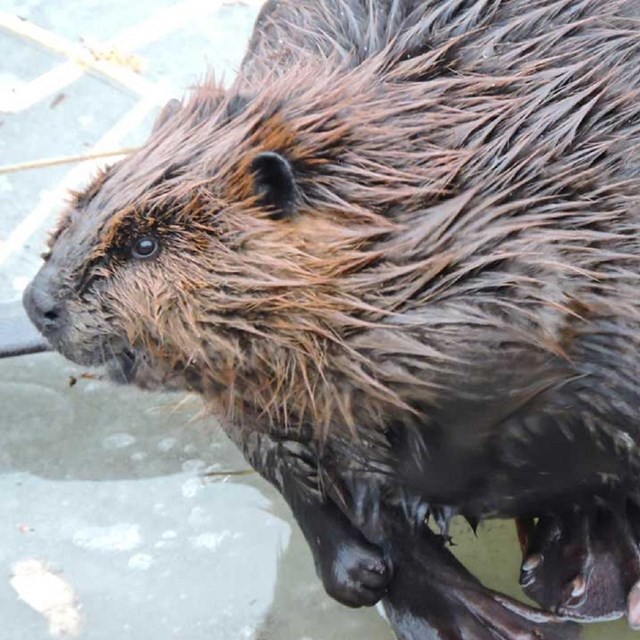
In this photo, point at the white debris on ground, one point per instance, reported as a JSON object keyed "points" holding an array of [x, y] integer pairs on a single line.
{"points": [[48, 593]]}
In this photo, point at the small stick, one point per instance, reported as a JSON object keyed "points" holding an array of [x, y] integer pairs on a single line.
{"points": [[51, 162], [218, 474]]}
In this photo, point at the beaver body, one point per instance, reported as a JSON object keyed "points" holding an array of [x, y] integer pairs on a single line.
{"points": [[405, 239]]}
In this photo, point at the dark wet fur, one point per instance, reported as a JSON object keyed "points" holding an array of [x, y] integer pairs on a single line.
{"points": [[444, 306]]}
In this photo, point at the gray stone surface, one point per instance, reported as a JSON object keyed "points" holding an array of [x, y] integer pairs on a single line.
{"points": [[118, 518], [126, 497]]}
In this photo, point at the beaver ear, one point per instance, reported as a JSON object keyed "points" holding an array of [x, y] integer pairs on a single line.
{"points": [[168, 111], [274, 182]]}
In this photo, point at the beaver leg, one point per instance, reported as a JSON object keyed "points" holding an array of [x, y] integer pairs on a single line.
{"points": [[586, 564], [433, 596], [353, 571]]}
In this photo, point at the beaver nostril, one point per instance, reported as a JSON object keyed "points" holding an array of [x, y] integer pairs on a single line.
{"points": [[48, 321], [52, 315]]}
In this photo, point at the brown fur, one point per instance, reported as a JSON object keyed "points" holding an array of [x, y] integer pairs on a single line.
{"points": [[465, 234]]}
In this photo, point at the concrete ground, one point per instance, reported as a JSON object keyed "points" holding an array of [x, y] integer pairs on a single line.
{"points": [[122, 514]]}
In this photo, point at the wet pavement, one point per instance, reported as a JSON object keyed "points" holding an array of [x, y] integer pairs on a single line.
{"points": [[126, 497], [123, 514]]}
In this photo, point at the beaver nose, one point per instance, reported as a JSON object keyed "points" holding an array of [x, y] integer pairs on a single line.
{"points": [[42, 309]]}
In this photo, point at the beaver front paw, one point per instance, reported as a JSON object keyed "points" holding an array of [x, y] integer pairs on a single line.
{"points": [[354, 572]]}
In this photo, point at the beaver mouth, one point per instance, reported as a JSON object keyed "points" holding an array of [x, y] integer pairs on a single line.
{"points": [[125, 364], [121, 368], [95, 351], [130, 366], [120, 362]]}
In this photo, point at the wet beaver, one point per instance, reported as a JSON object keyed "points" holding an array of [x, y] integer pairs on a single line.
{"points": [[399, 256]]}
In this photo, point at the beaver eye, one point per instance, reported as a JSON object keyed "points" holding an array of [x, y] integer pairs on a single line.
{"points": [[145, 248]]}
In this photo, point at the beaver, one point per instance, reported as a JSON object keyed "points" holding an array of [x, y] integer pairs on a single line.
{"points": [[398, 256]]}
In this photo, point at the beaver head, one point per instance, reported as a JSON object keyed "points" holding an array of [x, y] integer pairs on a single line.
{"points": [[215, 257]]}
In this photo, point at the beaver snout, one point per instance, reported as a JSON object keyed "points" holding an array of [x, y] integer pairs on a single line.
{"points": [[46, 313]]}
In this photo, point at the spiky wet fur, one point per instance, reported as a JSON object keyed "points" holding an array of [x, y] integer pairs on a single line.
{"points": [[464, 247]]}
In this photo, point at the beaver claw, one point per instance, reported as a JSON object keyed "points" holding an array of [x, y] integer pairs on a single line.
{"points": [[586, 565], [355, 573]]}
